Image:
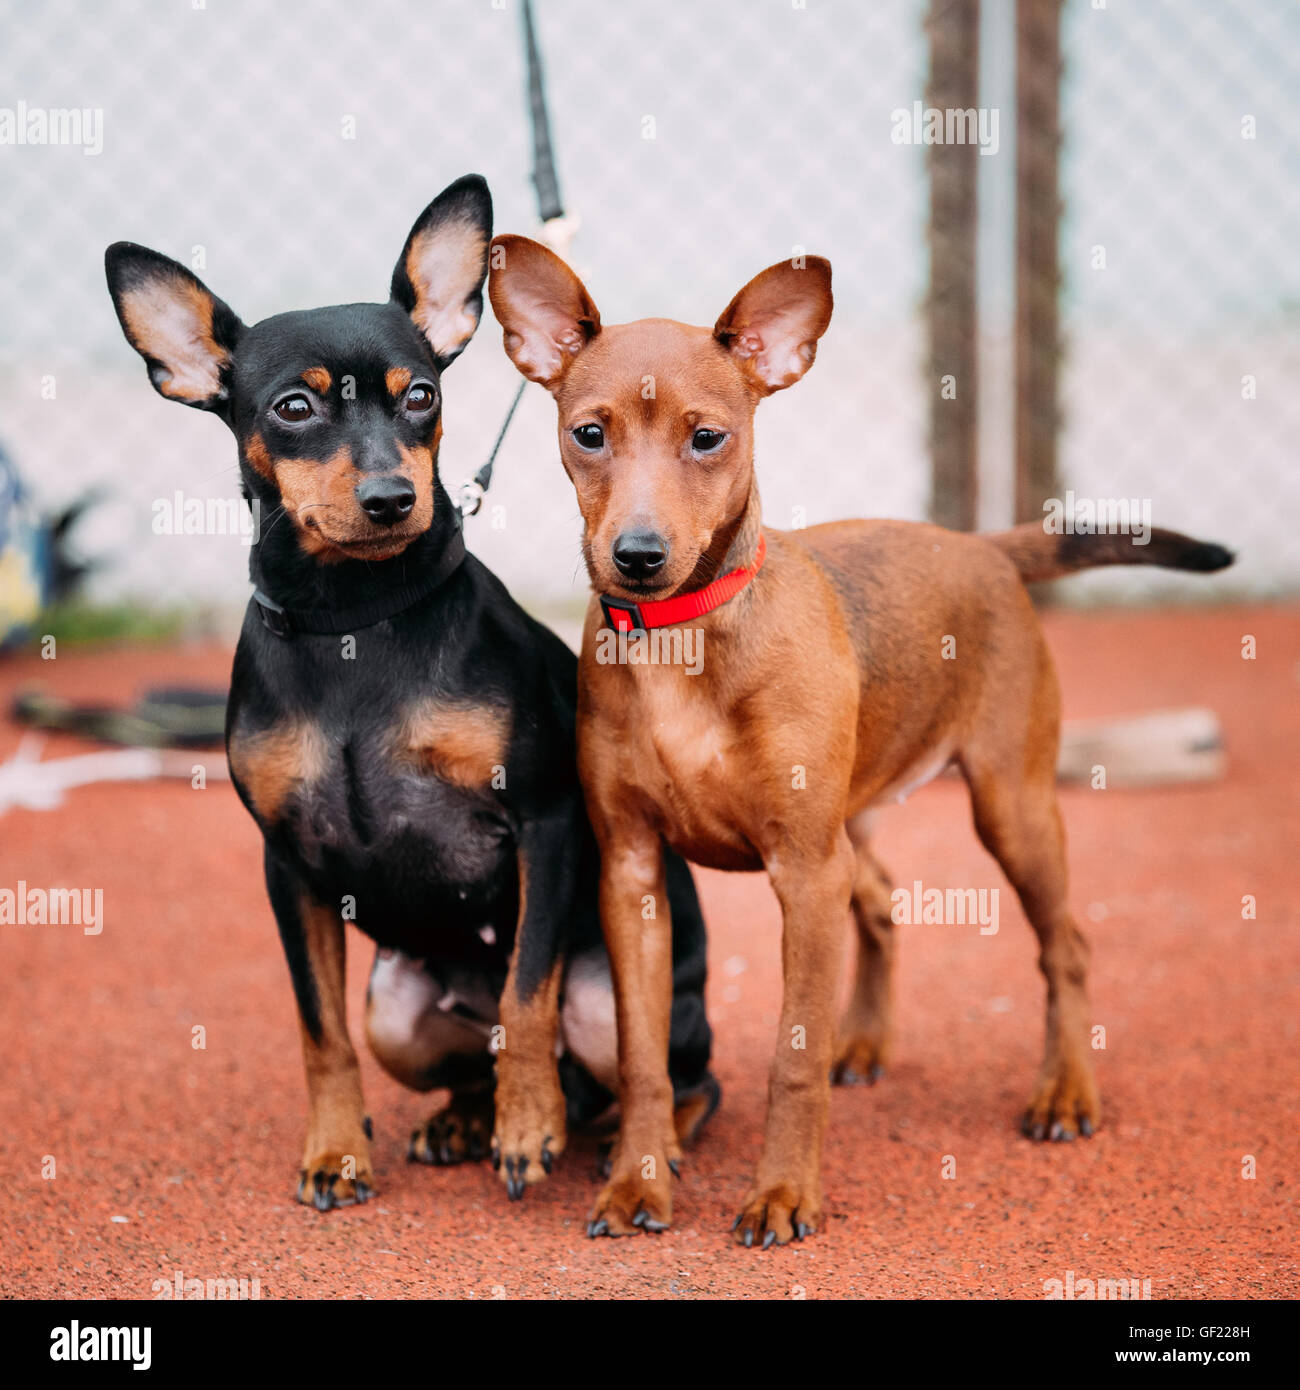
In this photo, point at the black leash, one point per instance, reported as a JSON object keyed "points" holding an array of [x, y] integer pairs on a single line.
{"points": [[549, 207], [545, 180], [471, 493]]}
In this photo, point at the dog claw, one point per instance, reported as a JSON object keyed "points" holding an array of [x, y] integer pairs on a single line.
{"points": [[1059, 1129], [515, 1181], [548, 1158], [847, 1076], [598, 1228], [749, 1240], [368, 1127], [675, 1167], [769, 1240], [801, 1229]]}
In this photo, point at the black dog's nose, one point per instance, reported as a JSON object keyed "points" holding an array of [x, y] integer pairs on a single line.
{"points": [[639, 554], [386, 501]]}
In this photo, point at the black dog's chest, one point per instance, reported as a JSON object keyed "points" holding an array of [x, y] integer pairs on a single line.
{"points": [[392, 804], [367, 800]]}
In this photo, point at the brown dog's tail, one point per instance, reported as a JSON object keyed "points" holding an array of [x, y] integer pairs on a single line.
{"points": [[1039, 555]]}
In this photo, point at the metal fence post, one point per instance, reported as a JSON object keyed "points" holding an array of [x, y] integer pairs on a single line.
{"points": [[953, 30], [1037, 352]]}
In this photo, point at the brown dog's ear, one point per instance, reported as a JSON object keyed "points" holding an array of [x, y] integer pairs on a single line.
{"points": [[438, 278], [544, 310], [185, 334], [772, 326]]}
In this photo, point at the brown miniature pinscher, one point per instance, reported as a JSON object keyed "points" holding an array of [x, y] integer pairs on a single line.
{"points": [[843, 665]]}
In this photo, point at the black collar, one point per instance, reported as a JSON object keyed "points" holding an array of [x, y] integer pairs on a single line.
{"points": [[318, 622]]}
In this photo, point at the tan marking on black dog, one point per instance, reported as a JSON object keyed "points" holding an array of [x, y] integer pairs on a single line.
{"points": [[417, 464], [170, 320], [309, 487], [439, 268], [397, 379], [319, 379], [320, 497], [272, 763], [460, 743], [259, 459], [336, 1168], [530, 1131]]}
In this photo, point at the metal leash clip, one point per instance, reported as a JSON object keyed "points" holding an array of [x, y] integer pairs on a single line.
{"points": [[470, 498]]}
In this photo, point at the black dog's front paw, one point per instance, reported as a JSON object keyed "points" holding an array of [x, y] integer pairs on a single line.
{"points": [[330, 1180], [462, 1133]]}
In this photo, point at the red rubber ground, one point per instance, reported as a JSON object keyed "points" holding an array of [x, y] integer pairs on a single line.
{"points": [[170, 1158]]}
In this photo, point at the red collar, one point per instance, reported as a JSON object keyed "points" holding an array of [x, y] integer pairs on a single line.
{"points": [[624, 615]]}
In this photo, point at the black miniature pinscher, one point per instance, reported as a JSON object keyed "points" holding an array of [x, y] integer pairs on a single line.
{"points": [[402, 731]]}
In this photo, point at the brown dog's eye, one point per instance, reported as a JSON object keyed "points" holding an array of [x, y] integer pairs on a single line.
{"points": [[294, 409], [419, 399], [590, 437], [706, 441]]}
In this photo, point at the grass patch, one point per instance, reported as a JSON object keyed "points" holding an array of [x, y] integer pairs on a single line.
{"points": [[80, 624]]}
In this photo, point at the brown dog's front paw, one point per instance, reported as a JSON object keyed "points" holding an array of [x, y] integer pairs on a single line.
{"points": [[460, 1133], [633, 1201], [859, 1059], [335, 1179], [776, 1215], [1065, 1105], [530, 1132]]}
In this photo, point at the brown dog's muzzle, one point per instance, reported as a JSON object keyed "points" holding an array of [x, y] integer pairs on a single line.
{"points": [[640, 554]]}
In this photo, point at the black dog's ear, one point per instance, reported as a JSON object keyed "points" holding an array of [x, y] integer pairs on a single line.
{"points": [[185, 334], [438, 278]]}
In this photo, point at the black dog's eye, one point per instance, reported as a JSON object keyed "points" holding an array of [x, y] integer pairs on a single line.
{"points": [[590, 437], [419, 399], [294, 409], [706, 441]]}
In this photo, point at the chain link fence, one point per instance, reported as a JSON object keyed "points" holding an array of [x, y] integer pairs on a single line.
{"points": [[1181, 296], [284, 151]]}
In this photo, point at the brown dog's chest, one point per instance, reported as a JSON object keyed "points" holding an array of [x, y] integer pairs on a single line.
{"points": [[688, 761], [723, 766]]}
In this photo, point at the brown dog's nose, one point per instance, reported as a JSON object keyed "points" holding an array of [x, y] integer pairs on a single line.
{"points": [[640, 554], [386, 501]]}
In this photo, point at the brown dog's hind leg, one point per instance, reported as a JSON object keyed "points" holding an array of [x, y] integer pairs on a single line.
{"points": [[866, 1032], [1020, 824]]}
